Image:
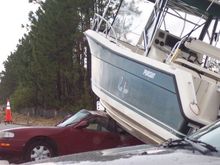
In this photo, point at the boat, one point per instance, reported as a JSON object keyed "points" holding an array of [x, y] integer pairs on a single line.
{"points": [[155, 65]]}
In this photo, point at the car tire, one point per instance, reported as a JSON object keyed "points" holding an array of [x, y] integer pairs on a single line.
{"points": [[39, 150]]}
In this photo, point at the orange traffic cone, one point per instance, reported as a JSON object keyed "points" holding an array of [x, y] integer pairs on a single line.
{"points": [[8, 116]]}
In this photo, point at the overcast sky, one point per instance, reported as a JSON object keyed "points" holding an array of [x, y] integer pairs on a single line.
{"points": [[13, 13]]}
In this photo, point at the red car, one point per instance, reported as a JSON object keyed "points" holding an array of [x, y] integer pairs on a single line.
{"points": [[84, 131]]}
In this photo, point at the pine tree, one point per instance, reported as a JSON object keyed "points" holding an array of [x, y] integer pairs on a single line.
{"points": [[51, 66]]}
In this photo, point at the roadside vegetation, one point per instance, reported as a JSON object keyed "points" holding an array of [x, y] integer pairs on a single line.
{"points": [[35, 120], [50, 69]]}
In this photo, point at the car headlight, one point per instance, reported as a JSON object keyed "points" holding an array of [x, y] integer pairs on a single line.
{"points": [[6, 134]]}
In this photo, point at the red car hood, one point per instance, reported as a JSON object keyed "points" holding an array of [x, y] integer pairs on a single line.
{"points": [[35, 130]]}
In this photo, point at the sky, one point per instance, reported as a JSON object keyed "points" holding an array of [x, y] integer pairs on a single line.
{"points": [[13, 13]]}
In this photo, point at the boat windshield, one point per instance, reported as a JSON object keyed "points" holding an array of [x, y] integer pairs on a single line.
{"points": [[136, 15], [131, 19], [181, 24], [74, 119]]}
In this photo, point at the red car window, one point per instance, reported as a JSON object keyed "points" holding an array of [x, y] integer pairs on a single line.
{"points": [[99, 124]]}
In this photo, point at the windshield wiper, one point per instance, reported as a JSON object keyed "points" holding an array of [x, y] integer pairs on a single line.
{"points": [[204, 144], [200, 146], [174, 143]]}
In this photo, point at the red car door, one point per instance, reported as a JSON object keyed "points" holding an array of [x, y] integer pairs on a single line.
{"points": [[97, 135]]}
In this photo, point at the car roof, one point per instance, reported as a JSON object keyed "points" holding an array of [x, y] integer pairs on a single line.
{"points": [[98, 113]]}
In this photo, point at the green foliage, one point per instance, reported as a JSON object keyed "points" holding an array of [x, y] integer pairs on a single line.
{"points": [[22, 96], [48, 68]]}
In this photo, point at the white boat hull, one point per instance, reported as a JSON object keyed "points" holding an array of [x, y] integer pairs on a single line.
{"points": [[127, 85]]}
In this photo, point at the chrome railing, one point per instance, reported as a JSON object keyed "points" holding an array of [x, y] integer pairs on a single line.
{"points": [[103, 25]]}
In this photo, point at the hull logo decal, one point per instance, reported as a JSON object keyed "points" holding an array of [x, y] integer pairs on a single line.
{"points": [[149, 74], [122, 85]]}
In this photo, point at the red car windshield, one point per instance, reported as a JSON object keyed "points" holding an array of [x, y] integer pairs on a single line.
{"points": [[74, 119]]}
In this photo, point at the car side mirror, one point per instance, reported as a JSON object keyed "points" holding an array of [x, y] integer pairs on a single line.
{"points": [[82, 124]]}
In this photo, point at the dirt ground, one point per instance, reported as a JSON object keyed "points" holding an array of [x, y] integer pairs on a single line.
{"points": [[27, 120]]}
